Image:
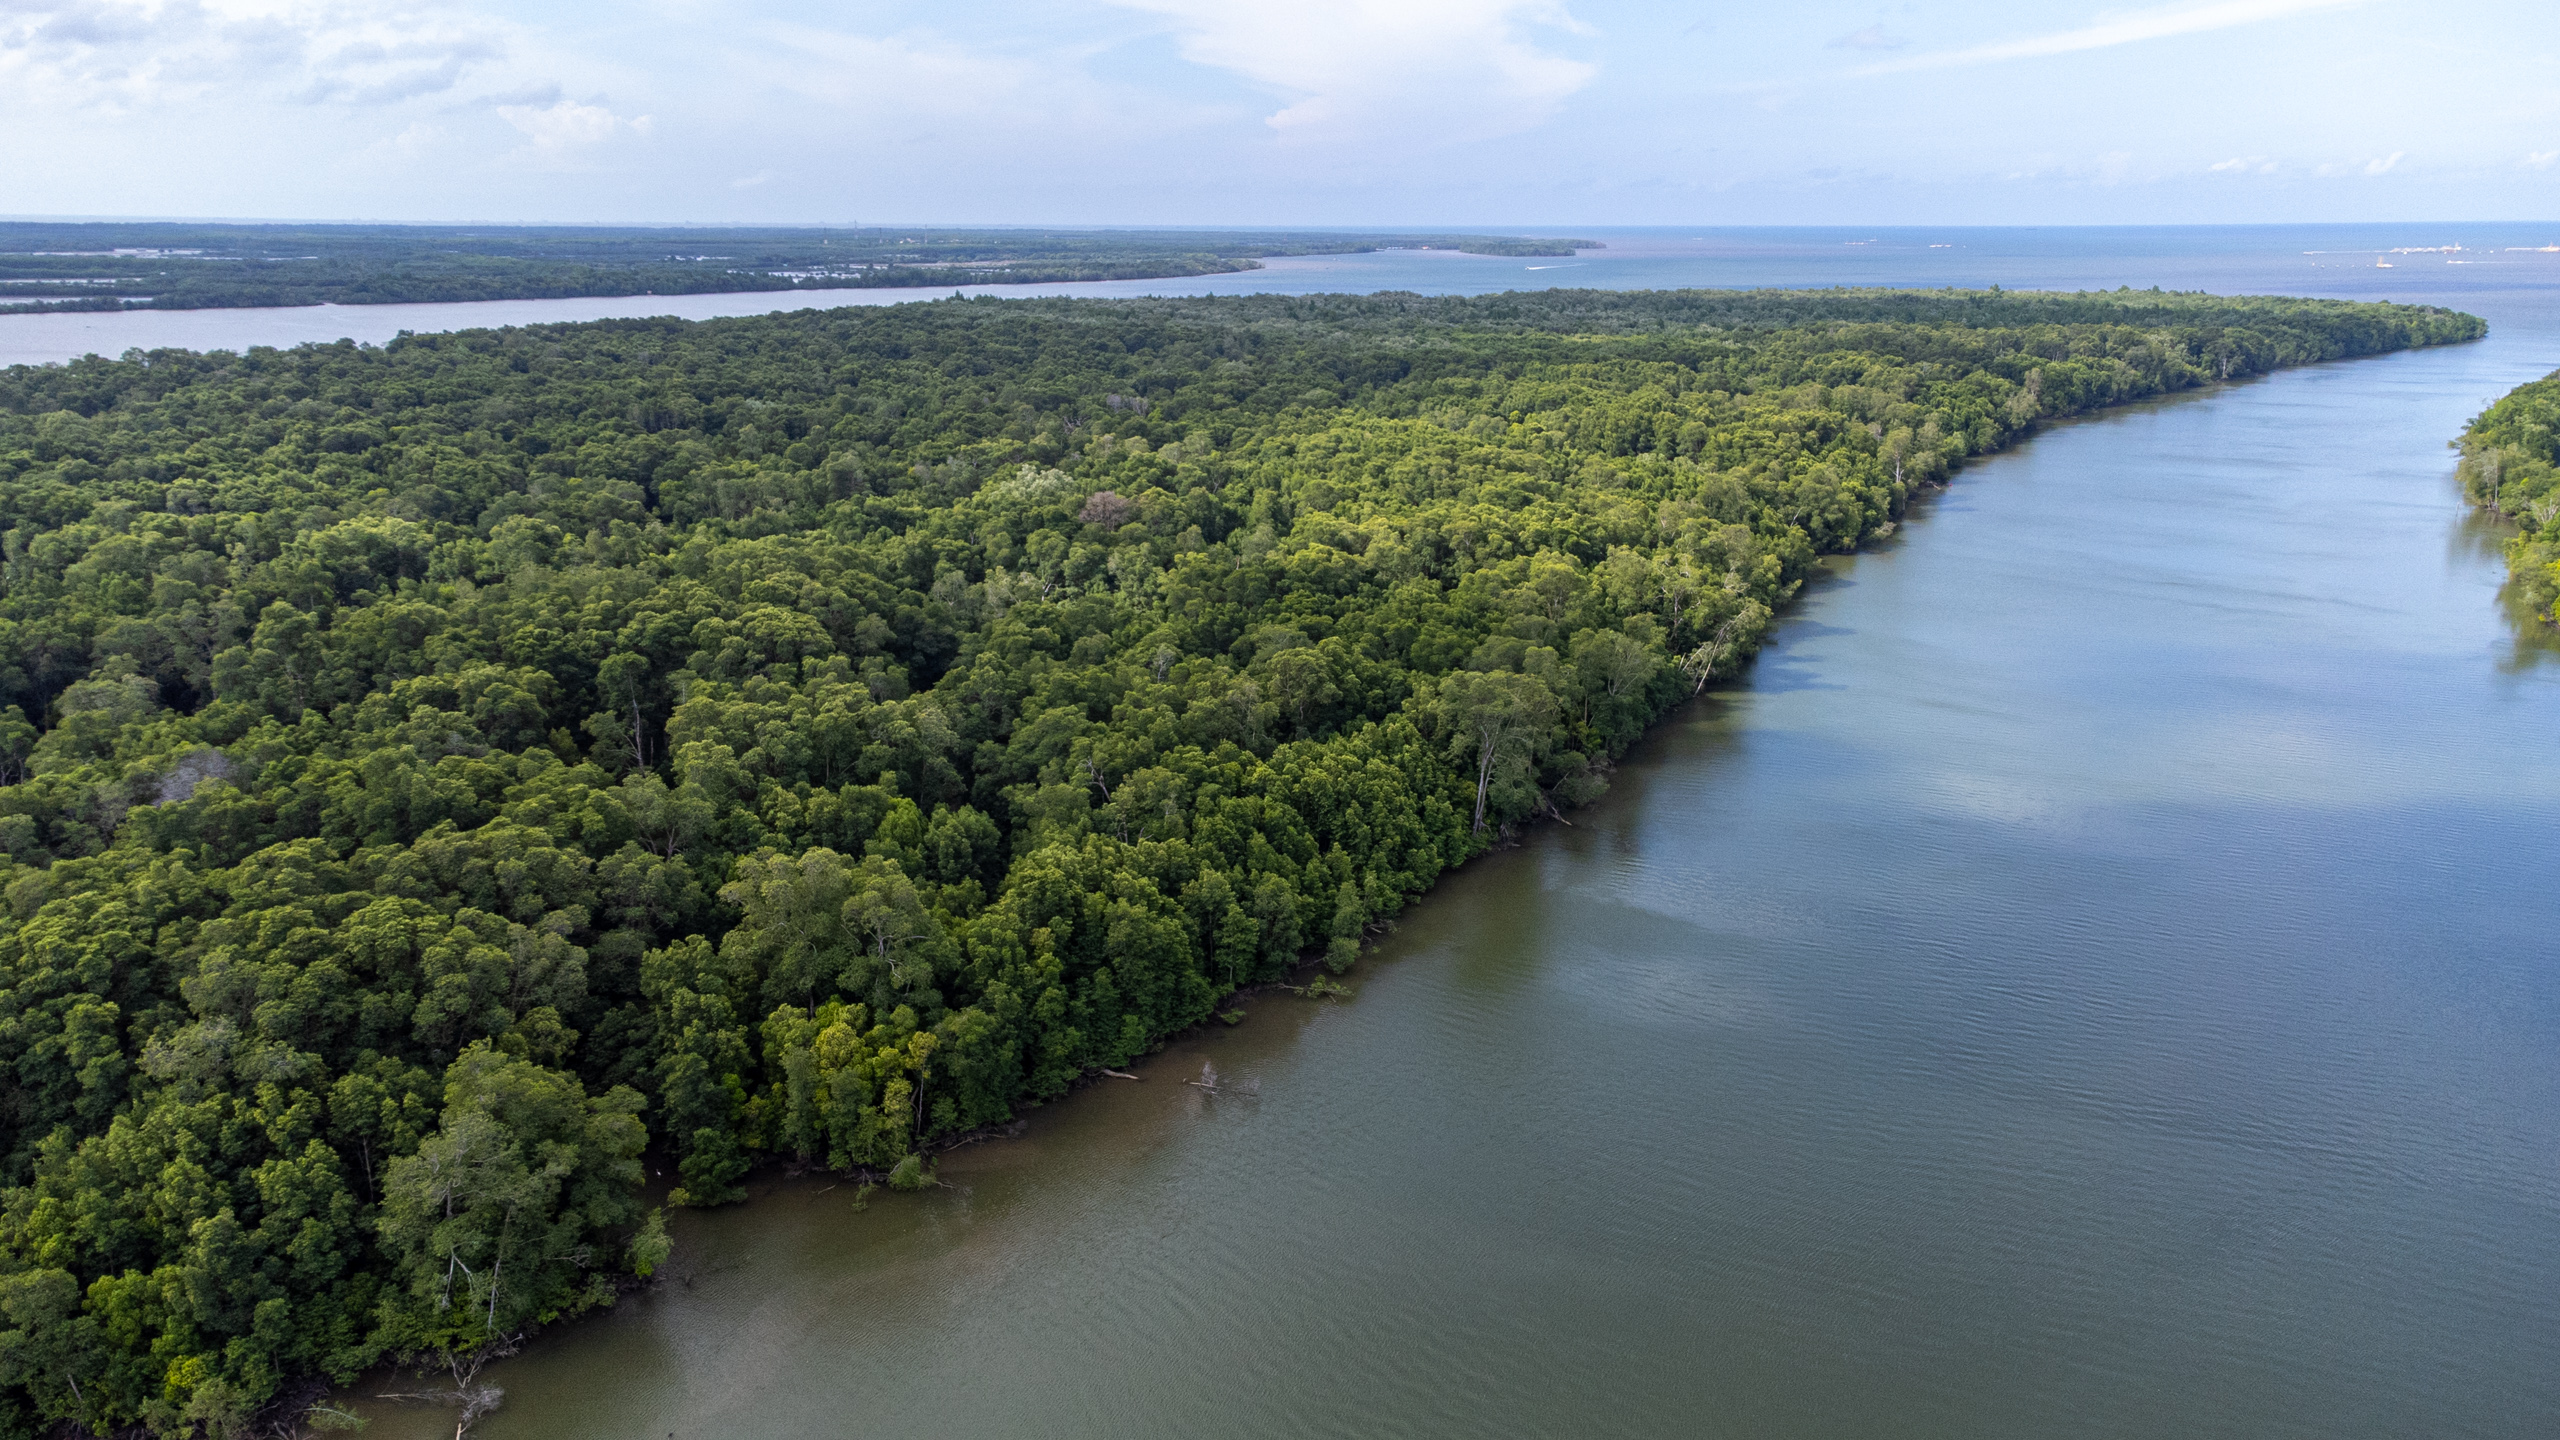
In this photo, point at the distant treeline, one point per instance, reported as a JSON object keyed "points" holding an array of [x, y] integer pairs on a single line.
{"points": [[434, 776], [115, 266], [2511, 464]]}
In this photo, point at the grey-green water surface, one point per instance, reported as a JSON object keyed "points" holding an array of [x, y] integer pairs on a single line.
{"points": [[2096, 977]]}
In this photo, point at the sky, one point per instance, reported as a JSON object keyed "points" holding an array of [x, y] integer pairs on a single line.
{"points": [[1490, 113]]}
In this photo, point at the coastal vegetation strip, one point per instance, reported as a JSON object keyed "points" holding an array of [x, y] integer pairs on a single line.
{"points": [[438, 780], [127, 265], [2511, 464]]}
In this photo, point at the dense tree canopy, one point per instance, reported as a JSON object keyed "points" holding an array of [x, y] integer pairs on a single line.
{"points": [[2511, 464], [430, 775]]}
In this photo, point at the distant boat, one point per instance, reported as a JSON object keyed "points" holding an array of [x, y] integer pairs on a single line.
{"points": [[2381, 264]]}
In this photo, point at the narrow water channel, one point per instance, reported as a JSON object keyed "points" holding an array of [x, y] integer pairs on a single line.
{"points": [[2100, 975]]}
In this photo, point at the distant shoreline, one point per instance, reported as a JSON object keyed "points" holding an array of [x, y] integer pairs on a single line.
{"points": [[223, 267]]}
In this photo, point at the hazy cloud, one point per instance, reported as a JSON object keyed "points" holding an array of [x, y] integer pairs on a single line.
{"points": [[1456, 113], [119, 55], [2121, 30], [1871, 38], [564, 127], [417, 139], [927, 90], [1463, 67]]}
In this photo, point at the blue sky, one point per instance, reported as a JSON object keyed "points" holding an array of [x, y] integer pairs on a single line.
{"points": [[1312, 112]]}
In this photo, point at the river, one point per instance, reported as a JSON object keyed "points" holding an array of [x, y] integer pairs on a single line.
{"points": [[2271, 259], [2095, 976]]}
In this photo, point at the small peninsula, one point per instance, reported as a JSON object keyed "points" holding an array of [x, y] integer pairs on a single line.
{"points": [[118, 265], [2511, 464], [438, 779]]}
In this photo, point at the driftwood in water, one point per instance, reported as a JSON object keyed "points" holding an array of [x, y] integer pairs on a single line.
{"points": [[1210, 1081], [475, 1400]]}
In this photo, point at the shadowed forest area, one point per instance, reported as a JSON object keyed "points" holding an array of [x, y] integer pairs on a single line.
{"points": [[436, 778]]}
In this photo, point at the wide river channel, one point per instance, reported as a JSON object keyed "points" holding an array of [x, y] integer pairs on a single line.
{"points": [[2099, 974]]}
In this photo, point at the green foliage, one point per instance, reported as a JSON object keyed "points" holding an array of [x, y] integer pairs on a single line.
{"points": [[651, 1247], [814, 735], [492, 1225], [2511, 464]]}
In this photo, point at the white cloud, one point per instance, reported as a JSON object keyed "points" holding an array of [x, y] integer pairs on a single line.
{"points": [[2383, 165], [1426, 68], [1446, 112], [120, 56], [417, 139], [918, 100], [365, 92], [563, 127], [2120, 30]]}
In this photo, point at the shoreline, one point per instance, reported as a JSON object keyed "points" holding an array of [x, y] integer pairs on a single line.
{"points": [[1310, 965], [1404, 862], [973, 280]]}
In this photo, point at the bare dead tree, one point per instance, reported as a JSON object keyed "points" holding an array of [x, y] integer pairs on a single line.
{"points": [[473, 1401]]}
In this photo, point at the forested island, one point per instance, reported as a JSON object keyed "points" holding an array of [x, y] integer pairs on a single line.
{"points": [[2511, 464], [176, 266], [434, 778]]}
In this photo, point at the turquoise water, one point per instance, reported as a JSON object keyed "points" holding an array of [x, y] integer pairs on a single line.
{"points": [[2095, 977]]}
